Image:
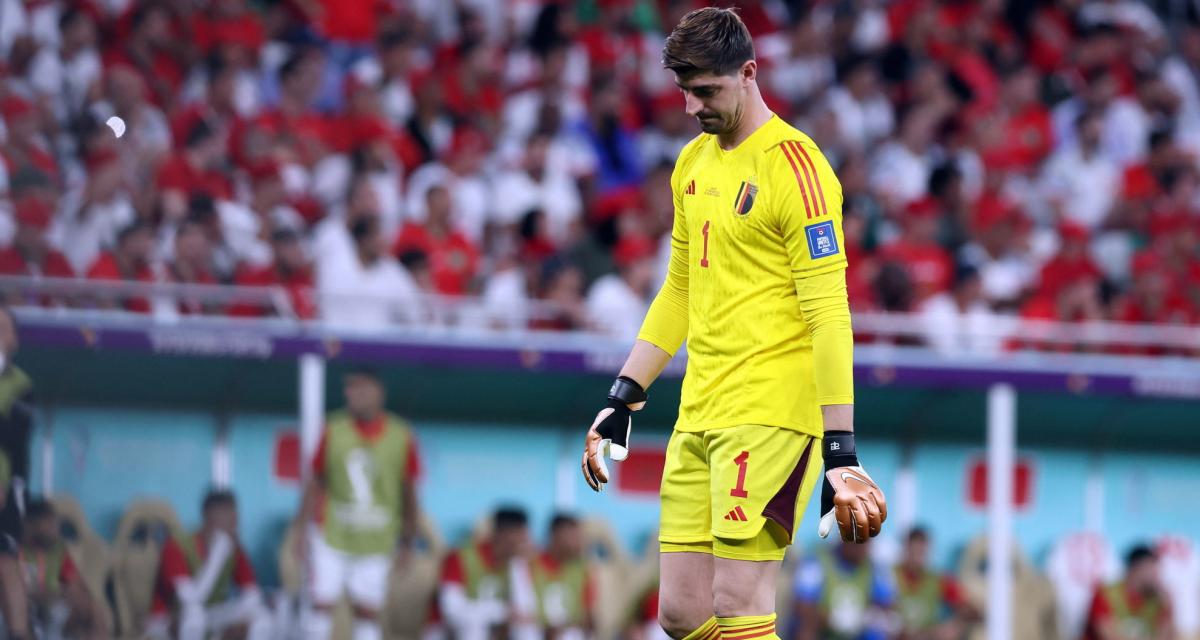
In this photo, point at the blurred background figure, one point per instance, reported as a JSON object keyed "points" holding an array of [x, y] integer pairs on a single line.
{"points": [[1137, 606], [16, 425], [205, 582], [357, 516], [487, 586], [62, 605], [840, 594], [566, 591], [929, 604]]}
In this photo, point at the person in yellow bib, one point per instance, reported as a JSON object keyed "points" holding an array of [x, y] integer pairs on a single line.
{"points": [[930, 605], [563, 580], [205, 583], [486, 589], [757, 286], [1136, 608], [840, 594], [358, 514], [62, 604]]}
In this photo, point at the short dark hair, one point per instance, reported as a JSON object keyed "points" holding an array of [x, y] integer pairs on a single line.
{"points": [[561, 520], [364, 371], [39, 508], [218, 498], [1138, 554], [509, 518], [917, 533], [708, 40]]}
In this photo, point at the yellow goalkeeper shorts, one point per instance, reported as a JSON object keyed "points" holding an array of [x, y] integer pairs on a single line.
{"points": [[737, 492]]}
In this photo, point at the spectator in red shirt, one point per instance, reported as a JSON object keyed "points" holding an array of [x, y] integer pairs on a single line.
{"points": [[1021, 128], [197, 170], [291, 270], [154, 50], [930, 604], [30, 253], [229, 24], [453, 258], [1072, 263], [929, 265], [192, 264], [205, 582], [303, 131], [1135, 607], [24, 144], [130, 261], [1152, 298], [55, 584]]}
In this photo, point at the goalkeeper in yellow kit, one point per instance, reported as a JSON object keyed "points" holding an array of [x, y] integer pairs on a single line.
{"points": [[757, 287]]}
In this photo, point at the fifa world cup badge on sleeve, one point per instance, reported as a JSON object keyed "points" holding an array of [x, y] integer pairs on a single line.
{"points": [[822, 241]]}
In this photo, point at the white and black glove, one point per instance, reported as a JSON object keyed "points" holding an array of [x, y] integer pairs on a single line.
{"points": [[849, 496], [609, 433]]}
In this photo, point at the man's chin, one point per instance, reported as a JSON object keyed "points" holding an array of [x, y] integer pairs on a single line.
{"points": [[711, 126]]}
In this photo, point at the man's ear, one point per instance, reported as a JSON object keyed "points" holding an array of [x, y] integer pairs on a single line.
{"points": [[749, 71]]}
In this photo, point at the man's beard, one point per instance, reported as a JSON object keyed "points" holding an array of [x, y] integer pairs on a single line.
{"points": [[714, 125]]}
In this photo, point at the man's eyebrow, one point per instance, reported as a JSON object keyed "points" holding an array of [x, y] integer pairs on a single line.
{"points": [[701, 85]]}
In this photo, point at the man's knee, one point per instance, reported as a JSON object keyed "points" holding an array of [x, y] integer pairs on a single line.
{"points": [[730, 601], [680, 618]]}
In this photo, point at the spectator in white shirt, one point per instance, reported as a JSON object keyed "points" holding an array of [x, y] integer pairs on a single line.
{"points": [[66, 73], [463, 175], [93, 214], [900, 169], [861, 110], [808, 69], [1080, 182], [959, 322], [368, 291], [539, 186], [617, 302]]}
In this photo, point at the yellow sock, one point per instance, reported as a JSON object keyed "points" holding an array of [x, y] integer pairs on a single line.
{"points": [[748, 628], [707, 631]]}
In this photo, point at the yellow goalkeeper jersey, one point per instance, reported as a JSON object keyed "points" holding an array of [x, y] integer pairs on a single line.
{"points": [[752, 225]]}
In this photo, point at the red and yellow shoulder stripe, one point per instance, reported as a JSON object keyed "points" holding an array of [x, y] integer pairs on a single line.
{"points": [[807, 178]]}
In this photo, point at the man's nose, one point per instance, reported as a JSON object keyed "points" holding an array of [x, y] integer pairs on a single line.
{"points": [[691, 104]]}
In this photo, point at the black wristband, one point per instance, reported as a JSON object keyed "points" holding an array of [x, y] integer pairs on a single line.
{"points": [[627, 391], [838, 449]]}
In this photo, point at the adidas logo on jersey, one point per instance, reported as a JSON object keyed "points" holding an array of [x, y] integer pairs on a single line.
{"points": [[691, 189], [737, 515]]}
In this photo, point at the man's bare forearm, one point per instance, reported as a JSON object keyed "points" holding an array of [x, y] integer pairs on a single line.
{"points": [[645, 363], [838, 417]]}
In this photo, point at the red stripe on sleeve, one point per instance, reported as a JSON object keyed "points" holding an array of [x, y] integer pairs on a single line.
{"points": [[807, 177], [799, 181], [816, 177]]}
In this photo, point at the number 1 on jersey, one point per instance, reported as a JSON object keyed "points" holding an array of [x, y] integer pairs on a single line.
{"points": [[742, 462], [704, 258]]}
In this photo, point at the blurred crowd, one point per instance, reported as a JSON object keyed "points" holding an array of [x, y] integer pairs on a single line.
{"points": [[1035, 158]]}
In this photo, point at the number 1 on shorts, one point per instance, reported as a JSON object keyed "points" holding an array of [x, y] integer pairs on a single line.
{"points": [[741, 461]]}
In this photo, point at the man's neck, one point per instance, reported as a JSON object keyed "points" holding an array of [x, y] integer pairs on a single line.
{"points": [[756, 115]]}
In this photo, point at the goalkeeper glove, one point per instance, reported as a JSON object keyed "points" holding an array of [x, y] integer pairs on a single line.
{"points": [[609, 434], [849, 496]]}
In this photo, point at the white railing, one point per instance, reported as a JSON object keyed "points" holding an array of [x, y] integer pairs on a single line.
{"points": [[473, 314]]}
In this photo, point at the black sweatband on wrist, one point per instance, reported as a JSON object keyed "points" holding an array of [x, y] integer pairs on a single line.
{"points": [[838, 449], [627, 391]]}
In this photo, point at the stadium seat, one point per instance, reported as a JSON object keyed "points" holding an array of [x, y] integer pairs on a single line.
{"points": [[88, 550], [611, 568], [410, 592], [1033, 604], [1179, 561], [141, 534]]}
